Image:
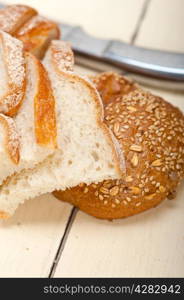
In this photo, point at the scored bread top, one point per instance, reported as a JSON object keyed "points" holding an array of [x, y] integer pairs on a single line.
{"points": [[27, 109], [62, 59], [36, 32], [152, 135], [12, 17], [44, 108], [35, 26], [13, 68], [24, 23], [11, 138]]}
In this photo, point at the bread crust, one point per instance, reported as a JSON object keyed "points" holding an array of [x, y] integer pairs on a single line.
{"points": [[62, 60], [152, 135], [12, 17], [44, 108], [4, 215], [13, 56], [37, 33], [12, 139], [111, 86]]}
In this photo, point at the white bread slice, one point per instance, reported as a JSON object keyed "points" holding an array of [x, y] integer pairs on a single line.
{"points": [[30, 136], [87, 150], [36, 119], [37, 33], [10, 140]]}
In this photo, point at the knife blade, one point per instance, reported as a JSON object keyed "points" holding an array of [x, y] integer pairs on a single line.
{"points": [[154, 63], [164, 68]]}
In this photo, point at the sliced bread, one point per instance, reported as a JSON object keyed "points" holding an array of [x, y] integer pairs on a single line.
{"points": [[36, 35], [87, 150], [30, 136], [12, 70], [24, 23]]}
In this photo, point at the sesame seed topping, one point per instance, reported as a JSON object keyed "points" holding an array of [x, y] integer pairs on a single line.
{"points": [[114, 191], [134, 160], [136, 148], [86, 190]]}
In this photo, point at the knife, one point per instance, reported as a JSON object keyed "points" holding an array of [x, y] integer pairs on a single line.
{"points": [[144, 64], [159, 66]]}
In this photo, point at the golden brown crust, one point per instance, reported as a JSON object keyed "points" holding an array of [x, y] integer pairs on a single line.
{"points": [[24, 23], [12, 17], [152, 135], [62, 56], [62, 60], [4, 215], [44, 108], [13, 57], [111, 86], [12, 140], [37, 33]]}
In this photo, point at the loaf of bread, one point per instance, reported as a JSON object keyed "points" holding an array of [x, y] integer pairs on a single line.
{"points": [[87, 150], [151, 132], [24, 23]]}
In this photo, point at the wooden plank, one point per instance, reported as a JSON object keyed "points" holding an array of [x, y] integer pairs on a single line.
{"points": [[150, 244], [163, 25], [30, 239], [106, 19], [176, 98]]}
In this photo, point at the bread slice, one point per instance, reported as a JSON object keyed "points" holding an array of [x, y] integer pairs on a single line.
{"points": [[10, 142], [12, 17], [36, 35], [12, 70], [30, 136], [87, 150]]}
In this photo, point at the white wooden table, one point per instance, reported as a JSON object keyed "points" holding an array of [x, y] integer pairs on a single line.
{"points": [[49, 238]]}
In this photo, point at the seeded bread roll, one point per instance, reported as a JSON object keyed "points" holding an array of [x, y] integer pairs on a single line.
{"points": [[151, 132]]}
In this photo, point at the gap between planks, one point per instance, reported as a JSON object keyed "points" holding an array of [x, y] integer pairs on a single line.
{"points": [[74, 211], [63, 241]]}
